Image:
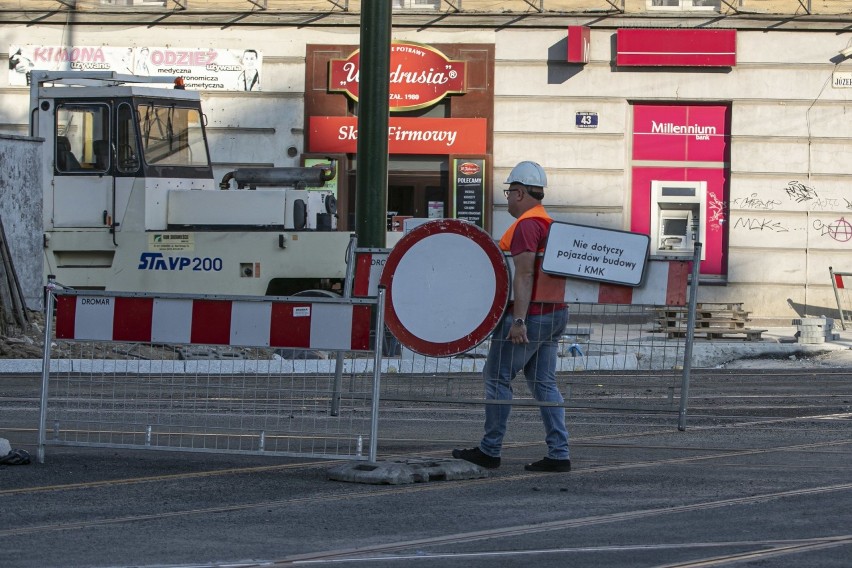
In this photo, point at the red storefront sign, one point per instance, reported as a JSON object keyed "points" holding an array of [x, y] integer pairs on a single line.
{"points": [[339, 134], [579, 44], [420, 76], [676, 48], [694, 133]]}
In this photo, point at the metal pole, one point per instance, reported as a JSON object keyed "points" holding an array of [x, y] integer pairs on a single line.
{"points": [[45, 366], [377, 374], [371, 180], [690, 337], [347, 293]]}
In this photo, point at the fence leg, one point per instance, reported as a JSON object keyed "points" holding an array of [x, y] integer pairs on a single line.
{"points": [[690, 337], [347, 293], [837, 298], [45, 368], [377, 374]]}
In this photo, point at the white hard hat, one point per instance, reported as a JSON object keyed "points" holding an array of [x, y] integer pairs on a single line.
{"points": [[528, 173]]}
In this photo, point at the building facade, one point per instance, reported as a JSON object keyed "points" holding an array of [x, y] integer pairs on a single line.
{"points": [[719, 121]]}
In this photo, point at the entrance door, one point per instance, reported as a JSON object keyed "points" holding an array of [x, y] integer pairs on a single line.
{"points": [[417, 195]]}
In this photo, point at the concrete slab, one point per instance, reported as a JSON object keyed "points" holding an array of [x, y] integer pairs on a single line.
{"points": [[405, 471]]}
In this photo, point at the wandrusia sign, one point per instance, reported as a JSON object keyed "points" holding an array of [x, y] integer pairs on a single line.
{"points": [[420, 76], [605, 255]]}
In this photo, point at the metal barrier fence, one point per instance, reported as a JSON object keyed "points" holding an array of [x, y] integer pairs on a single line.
{"points": [[172, 372], [226, 375], [842, 295], [625, 349]]}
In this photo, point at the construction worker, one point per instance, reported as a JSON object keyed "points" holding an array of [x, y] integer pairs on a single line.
{"points": [[527, 336]]}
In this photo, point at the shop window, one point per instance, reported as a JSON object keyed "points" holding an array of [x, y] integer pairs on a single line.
{"points": [[684, 5]]}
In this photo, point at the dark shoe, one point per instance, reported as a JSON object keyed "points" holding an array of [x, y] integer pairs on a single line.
{"points": [[550, 464], [475, 455]]}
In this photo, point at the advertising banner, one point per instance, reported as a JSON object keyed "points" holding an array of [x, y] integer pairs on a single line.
{"points": [[202, 69]]}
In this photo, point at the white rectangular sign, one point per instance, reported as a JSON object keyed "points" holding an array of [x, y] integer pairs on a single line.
{"points": [[841, 80], [598, 254]]}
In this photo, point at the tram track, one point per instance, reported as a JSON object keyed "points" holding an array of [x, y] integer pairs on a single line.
{"points": [[567, 524], [722, 422], [586, 441], [355, 494]]}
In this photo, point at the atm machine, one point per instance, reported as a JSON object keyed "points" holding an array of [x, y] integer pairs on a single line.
{"points": [[678, 217]]}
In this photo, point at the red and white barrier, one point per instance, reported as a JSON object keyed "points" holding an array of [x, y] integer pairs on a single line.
{"points": [[665, 285], [297, 325]]}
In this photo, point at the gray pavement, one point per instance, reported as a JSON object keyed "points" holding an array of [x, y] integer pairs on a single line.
{"points": [[760, 477]]}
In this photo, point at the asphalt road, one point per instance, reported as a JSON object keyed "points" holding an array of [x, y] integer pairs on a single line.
{"points": [[762, 476]]}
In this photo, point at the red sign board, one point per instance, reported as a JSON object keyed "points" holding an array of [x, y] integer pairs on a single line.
{"points": [[694, 133], [676, 48], [339, 134], [420, 76], [579, 44]]}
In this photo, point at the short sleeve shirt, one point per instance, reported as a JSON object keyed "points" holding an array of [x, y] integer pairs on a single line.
{"points": [[530, 236]]}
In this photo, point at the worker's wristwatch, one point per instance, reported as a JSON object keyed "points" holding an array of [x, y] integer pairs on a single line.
{"points": [[519, 322]]}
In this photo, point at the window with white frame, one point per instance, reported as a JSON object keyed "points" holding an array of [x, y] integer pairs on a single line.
{"points": [[684, 5], [135, 3], [416, 4]]}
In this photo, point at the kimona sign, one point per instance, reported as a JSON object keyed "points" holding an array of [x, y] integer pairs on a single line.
{"points": [[420, 76]]}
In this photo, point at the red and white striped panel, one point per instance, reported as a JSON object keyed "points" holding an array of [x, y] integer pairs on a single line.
{"points": [[302, 325], [665, 285], [369, 264]]}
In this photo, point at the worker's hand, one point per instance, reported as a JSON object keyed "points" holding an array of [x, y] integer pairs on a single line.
{"points": [[518, 334]]}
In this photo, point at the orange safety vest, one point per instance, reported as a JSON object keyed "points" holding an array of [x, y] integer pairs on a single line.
{"points": [[546, 287]]}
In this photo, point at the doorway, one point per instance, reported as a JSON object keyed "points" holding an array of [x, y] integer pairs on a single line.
{"points": [[417, 195]]}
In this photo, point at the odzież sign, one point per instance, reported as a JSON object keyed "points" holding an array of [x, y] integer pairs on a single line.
{"points": [[598, 254], [420, 76]]}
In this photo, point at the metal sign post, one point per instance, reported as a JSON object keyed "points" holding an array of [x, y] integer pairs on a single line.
{"points": [[690, 338]]}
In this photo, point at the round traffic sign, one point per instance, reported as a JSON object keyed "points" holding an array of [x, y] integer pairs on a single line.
{"points": [[447, 285]]}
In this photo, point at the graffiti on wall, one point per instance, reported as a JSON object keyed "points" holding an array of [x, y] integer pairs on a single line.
{"points": [[839, 230], [716, 211], [760, 224], [799, 193], [755, 202]]}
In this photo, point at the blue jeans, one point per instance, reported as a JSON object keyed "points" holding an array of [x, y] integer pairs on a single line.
{"points": [[538, 360]]}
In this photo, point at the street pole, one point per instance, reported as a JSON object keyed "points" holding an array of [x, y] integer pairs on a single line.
{"points": [[371, 179]]}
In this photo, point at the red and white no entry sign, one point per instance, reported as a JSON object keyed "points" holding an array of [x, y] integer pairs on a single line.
{"points": [[447, 287]]}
